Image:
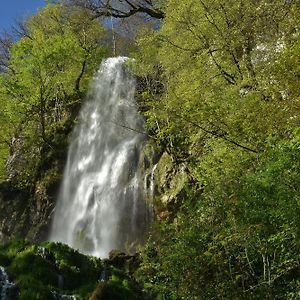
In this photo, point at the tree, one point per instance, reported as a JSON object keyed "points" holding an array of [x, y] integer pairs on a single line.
{"points": [[121, 8], [48, 67], [217, 74], [6, 42], [217, 60]]}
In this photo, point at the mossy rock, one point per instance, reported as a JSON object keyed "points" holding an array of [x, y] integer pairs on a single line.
{"points": [[31, 288], [12, 248], [171, 179], [113, 290], [76, 268], [164, 169], [39, 272], [28, 262], [124, 262], [36, 269]]}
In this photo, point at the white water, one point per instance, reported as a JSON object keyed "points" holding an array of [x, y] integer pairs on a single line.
{"points": [[152, 182], [5, 285], [101, 205]]}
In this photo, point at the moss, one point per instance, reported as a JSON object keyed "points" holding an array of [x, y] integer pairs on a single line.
{"points": [[31, 288], [4, 152], [172, 180], [164, 168], [72, 265], [113, 290], [4, 260], [85, 291], [29, 262], [36, 270], [13, 247]]}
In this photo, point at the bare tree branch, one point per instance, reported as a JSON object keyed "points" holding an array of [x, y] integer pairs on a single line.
{"points": [[5, 46], [119, 8], [220, 135]]}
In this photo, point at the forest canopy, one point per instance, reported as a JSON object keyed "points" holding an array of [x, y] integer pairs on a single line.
{"points": [[53, 60], [222, 97]]}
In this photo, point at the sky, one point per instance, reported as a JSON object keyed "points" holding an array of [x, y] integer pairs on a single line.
{"points": [[12, 10]]}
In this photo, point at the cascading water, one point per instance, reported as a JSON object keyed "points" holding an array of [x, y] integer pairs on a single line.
{"points": [[101, 205], [7, 288]]}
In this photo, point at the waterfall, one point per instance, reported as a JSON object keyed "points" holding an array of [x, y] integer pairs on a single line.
{"points": [[7, 288], [101, 205]]}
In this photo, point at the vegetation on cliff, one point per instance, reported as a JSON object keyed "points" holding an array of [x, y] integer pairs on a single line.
{"points": [[48, 70], [51, 270], [43, 80], [221, 92], [219, 88]]}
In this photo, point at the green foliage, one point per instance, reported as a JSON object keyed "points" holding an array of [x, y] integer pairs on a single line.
{"points": [[240, 240], [49, 68], [32, 288], [35, 270], [219, 87], [3, 156], [115, 289], [27, 261], [222, 64], [220, 94], [13, 247], [72, 265], [111, 291]]}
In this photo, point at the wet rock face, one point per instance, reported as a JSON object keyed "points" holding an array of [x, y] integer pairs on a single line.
{"points": [[16, 162], [8, 290], [28, 196], [34, 169], [25, 213], [13, 212]]}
